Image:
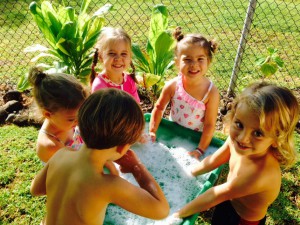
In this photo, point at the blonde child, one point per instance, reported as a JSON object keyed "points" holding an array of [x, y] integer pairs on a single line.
{"points": [[113, 50], [77, 190], [262, 121], [58, 96], [194, 99]]}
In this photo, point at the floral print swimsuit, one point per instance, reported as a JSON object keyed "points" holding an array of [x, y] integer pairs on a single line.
{"points": [[186, 110]]}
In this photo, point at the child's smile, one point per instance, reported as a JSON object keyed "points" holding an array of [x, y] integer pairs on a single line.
{"points": [[247, 134], [116, 58], [193, 61]]}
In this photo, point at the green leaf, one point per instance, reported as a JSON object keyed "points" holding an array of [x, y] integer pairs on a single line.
{"points": [[163, 45], [94, 28], [151, 79], [158, 22], [34, 8], [89, 45], [62, 48], [68, 31], [260, 60], [139, 56], [23, 83], [85, 4], [272, 50], [87, 63], [278, 61], [45, 29], [85, 72], [71, 13], [103, 10], [55, 24], [47, 9], [268, 69]]}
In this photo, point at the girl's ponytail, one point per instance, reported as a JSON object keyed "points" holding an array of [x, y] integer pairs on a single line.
{"points": [[93, 73], [35, 76], [177, 34], [132, 74], [213, 46]]}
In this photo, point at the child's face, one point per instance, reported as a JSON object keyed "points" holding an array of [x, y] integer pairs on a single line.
{"points": [[192, 60], [64, 119], [247, 135], [116, 57]]}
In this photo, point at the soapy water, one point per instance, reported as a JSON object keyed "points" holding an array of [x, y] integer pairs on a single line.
{"points": [[170, 166]]}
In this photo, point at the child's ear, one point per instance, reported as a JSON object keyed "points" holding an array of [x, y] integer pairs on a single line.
{"points": [[275, 145], [46, 114], [176, 61], [122, 149]]}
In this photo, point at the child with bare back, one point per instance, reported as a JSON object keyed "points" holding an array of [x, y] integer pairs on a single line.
{"points": [[58, 97], [77, 190], [262, 121]]}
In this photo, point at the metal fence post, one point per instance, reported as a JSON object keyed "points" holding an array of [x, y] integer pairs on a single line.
{"points": [[241, 47]]}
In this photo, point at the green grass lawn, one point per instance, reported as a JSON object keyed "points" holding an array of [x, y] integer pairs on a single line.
{"points": [[19, 164]]}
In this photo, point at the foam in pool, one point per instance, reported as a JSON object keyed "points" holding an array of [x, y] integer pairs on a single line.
{"points": [[170, 165]]}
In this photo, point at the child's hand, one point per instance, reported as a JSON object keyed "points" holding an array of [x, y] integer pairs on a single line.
{"points": [[128, 162], [152, 136], [144, 138], [195, 154]]}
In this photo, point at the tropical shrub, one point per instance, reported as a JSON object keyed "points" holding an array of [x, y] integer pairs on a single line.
{"points": [[71, 38], [157, 58]]}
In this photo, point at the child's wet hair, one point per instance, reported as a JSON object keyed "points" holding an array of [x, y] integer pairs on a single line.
{"points": [[110, 35], [210, 46], [278, 112], [110, 117], [56, 91]]}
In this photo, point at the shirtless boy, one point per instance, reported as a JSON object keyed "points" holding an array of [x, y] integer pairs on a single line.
{"points": [[77, 190], [262, 122]]}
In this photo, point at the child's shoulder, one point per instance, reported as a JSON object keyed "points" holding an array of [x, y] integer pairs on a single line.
{"points": [[46, 143], [172, 82]]}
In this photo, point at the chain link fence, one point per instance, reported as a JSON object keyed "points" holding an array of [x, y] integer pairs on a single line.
{"points": [[241, 35]]}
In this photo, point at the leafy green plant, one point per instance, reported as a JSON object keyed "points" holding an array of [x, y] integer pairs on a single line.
{"points": [[269, 64], [153, 63], [71, 38]]}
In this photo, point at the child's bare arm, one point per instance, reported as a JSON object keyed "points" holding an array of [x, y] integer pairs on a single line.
{"points": [[243, 186], [159, 108], [130, 164], [38, 184], [210, 119], [213, 161], [158, 206], [205, 201], [46, 148]]}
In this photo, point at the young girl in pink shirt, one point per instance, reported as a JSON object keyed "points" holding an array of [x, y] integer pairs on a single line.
{"points": [[113, 50]]}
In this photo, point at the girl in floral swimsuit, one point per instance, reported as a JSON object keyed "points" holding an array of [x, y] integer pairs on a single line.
{"points": [[194, 99]]}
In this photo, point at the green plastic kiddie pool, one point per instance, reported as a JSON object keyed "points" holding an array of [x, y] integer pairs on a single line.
{"points": [[173, 137]]}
